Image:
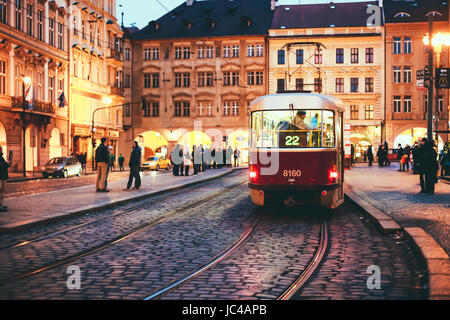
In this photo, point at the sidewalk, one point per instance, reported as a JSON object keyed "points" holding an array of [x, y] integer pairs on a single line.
{"points": [[397, 194], [30, 210]]}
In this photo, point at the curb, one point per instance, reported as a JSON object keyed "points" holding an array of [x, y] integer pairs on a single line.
{"points": [[436, 259], [89, 209]]}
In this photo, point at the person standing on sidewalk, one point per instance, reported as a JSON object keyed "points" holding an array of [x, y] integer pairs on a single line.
{"points": [[428, 166], [121, 161], [400, 157], [102, 160], [3, 178], [135, 167], [369, 155], [407, 153], [187, 161]]}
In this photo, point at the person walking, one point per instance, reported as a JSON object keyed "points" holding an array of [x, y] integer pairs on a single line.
{"points": [[102, 160], [112, 160], [135, 167], [229, 156], [428, 166], [386, 154], [407, 153], [181, 157], [4, 165], [121, 161], [236, 157], [400, 153], [352, 155], [369, 155], [187, 161], [380, 156]]}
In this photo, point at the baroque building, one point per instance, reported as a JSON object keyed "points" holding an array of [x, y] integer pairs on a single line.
{"points": [[193, 72], [34, 58]]}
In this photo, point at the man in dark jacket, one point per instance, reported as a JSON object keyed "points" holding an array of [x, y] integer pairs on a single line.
{"points": [[399, 157], [369, 155], [102, 160], [428, 166], [3, 178], [407, 152], [135, 167]]}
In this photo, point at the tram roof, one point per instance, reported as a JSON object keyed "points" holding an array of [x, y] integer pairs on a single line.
{"points": [[298, 101]]}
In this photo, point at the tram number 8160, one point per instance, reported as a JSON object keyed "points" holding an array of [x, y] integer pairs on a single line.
{"points": [[292, 173]]}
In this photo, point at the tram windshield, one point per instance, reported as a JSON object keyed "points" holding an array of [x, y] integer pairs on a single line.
{"points": [[293, 129]]}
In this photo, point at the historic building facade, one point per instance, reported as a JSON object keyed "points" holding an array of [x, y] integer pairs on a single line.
{"points": [[96, 75], [33, 58], [340, 56], [406, 105], [195, 70]]}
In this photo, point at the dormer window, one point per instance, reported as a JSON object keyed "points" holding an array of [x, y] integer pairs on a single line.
{"points": [[434, 13], [402, 15]]}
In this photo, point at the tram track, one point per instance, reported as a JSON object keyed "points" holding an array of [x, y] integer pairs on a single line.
{"points": [[144, 203], [297, 285], [121, 237]]}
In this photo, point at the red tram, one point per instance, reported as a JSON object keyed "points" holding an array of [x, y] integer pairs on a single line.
{"points": [[296, 150]]}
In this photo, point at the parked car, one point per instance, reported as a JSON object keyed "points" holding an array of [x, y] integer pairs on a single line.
{"points": [[62, 167], [155, 163]]}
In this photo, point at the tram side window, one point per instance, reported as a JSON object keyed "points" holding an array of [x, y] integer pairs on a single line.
{"points": [[293, 129]]}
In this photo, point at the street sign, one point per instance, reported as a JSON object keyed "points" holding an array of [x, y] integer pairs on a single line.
{"points": [[442, 78], [420, 75]]}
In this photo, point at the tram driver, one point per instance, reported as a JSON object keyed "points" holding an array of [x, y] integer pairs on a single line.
{"points": [[303, 127]]}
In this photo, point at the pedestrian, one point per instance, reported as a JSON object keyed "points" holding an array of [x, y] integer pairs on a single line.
{"points": [[112, 161], [428, 166], [187, 161], [386, 157], [4, 165], [135, 167], [102, 160], [352, 155], [175, 159], [213, 155], [121, 161], [229, 156], [400, 153], [181, 157], [369, 155], [380, 156], [236, 157], [407, 153]]}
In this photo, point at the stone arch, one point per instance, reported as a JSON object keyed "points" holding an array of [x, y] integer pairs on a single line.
{"points": [[152, 143], [410, 135], [55, 144]]}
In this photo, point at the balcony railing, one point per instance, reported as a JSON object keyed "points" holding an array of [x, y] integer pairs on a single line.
{"points": [[115, 54], [35, 106]]}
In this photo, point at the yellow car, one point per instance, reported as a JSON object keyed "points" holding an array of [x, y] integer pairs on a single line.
{"points": [[155, 163]]}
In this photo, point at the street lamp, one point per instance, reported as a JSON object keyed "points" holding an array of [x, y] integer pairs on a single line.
{"points": [[26, 82], [437, 42]]}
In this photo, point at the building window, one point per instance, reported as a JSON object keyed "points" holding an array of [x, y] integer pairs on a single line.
{"points": [[19, 15], [40, 25], [369, 84], [201, 79], [209, 79], [280, 85], [200, 109], [209, 52], [186, 53], [397, 74], [231, 78], [318, 58], [147, 54], [29, 19], [407, 102], [235, 51], [83, 29], [147, 110], [259, 50], [177, 79], [369, 112], [127, 83], [4, 11], [231, 108], [397, 104], [40, 86], [354, 112], [147, 80], [354, 55], [209, 109], [177, 108], [250, 50], [318, 85], [51, 31], [226, 108], [60, 36], [339, 85], [155, 80], [200, 52], [186, 109], [397, 45], [178, 53], [299, 58], [299, 85], [369, 55], [155, 54], [250, 78], [2, 77], [407, 74], [407, 45], [186, 79], [51, 89], [226, 51], [281, 56], [354, 84], [155, 109], [235, 108], [339, 56], [75, 26], [127, 54], [259, 78]]}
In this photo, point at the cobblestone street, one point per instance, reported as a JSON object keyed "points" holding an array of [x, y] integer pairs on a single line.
{"points": [[133, 250]]}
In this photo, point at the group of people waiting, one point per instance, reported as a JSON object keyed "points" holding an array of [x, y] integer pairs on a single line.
{"points": [[382, 155], [201, 159]]}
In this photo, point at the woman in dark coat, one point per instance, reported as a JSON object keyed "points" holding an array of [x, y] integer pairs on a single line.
{"points": [[369, 155]]}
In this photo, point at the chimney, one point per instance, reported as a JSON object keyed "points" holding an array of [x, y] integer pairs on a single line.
{"points": [[189, 3]]}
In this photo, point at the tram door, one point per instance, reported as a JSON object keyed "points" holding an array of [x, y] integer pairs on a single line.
{"points": [[340, 154]]}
